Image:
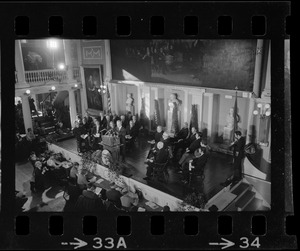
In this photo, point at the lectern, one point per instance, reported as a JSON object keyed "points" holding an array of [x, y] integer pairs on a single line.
{"points": [[112, 144]]}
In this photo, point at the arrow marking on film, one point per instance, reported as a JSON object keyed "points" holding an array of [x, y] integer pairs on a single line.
{"points": [[225, 244], [78, 244]]}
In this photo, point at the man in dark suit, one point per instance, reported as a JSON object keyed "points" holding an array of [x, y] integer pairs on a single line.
{"points": [[131, 134], [181, 137], [89, 201], [157, 137], [102, 121], [123, 121], [189, 153], [122, 133], [238, 155], [159, 157], [196, 166]]}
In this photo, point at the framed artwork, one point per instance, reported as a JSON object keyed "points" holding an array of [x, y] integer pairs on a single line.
{"points": [[93, 80], [207, 63]]}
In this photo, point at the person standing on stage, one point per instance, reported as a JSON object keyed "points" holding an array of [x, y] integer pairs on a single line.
{"points": [[238, 155], [77, 134], [102, 120], [122, 133], [96, 135]]}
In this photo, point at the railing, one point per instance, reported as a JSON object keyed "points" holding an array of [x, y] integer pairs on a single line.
{"points": [[45, 76], [76, 73]]}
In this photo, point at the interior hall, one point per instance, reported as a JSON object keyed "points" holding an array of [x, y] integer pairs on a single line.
{"points": [[143, 125]]}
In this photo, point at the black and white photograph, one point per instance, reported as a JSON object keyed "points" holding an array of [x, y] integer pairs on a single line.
{"points": [[169, 125]]}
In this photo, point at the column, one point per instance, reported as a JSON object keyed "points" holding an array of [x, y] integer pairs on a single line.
{"points": [[19, 63], [267, 90], [200, 115], [250, 124], [26, 112], [108, 72], [72, 105], [83, 99], [79, 53], [68, 59], [210, 115], [258, 67], [185, 106]]}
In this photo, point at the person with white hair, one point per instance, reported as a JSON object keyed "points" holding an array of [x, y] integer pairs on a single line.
{"points": [[160, 157]]}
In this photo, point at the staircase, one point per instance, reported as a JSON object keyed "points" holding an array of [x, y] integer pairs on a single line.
{"points": [[246, 199], [241, 197], [59, 97]]}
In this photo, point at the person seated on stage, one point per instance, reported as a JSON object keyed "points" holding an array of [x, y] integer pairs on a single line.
{"points": [[102, 120], [181, 137], [167, 144], [122, 133], [123, 121], [189, 152], [136, 122], [196, 165], [131, 134], [159, 157], [77, 134], [157, 137], [129, 116], [115, 117], [89, 201]]}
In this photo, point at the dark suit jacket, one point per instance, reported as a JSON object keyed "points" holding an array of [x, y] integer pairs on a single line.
{"points": [[103, 122], [133, 131], [158, 136], [194, 145], [114, 196], [239, 147], [161, 156], [122, 133], [183, 133], [89, 202], [199, 164], [191, 139]]}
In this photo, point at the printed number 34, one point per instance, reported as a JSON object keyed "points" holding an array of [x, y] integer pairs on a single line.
{"points": [[254, 243]]}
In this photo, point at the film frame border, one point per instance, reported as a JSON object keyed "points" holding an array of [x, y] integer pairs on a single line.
{"points": [[107, 12]]}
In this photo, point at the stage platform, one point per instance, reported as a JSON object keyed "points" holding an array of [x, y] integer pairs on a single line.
{"points": [[216, 171]]}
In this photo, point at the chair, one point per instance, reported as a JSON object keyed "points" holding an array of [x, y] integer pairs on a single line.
{"points": [[160, 172]]}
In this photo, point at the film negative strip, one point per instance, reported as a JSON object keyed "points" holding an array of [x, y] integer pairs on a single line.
{"points": [[146, 125]]}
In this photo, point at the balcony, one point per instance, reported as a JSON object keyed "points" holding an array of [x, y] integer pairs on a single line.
{"points": [[42, 77]]}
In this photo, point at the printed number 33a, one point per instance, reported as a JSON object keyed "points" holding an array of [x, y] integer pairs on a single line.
{"points": [[254, 243]]}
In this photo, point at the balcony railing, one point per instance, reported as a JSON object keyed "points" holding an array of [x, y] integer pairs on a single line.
{"points": [[41, 77], [76, 73], [45, 76]]}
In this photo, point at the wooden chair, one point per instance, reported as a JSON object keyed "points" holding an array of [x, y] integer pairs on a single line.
{"points": [[160, 172]]}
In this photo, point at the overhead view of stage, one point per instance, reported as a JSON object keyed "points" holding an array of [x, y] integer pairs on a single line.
{"points": [[185, 121]]}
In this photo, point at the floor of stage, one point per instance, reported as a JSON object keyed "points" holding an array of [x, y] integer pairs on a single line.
{"points": [[217, 170]]}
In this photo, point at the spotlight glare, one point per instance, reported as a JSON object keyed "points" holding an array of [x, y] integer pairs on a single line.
{"points": [[255, 112], [27, 91], [53, 88]]}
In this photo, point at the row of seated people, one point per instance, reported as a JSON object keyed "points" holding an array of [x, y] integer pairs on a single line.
{"points": [[189, 146], [52, 169], [89, 132]]}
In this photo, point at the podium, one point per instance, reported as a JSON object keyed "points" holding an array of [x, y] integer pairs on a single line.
{"points": [[112, 144]]}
